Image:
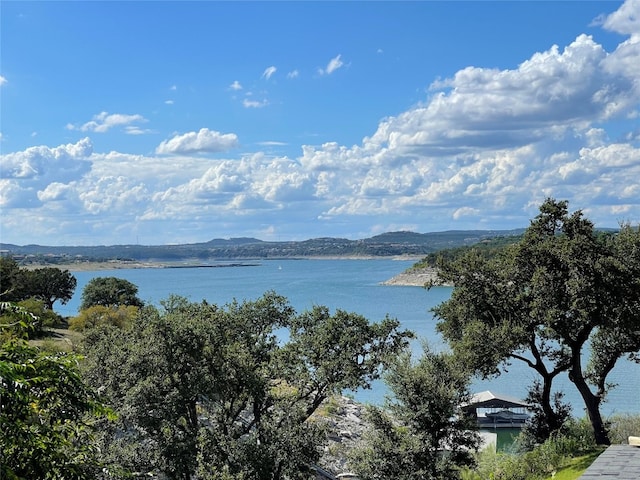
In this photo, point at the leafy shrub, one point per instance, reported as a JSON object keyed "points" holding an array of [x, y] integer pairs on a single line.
{"points": [[622, 426], [579, 432], [28, 319], [121, 317], [541, 461]]}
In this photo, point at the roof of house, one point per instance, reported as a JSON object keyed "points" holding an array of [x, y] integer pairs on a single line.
{"points": [[488, 399]]}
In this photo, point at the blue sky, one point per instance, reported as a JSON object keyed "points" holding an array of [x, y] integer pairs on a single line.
{"points": [[170, 122]]}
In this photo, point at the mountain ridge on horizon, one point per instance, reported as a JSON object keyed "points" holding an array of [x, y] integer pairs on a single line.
{"points": [[388, 244], [402, 236]]}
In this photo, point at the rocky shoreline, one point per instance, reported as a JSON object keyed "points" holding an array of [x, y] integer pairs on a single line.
{"points": [[414, 278]]}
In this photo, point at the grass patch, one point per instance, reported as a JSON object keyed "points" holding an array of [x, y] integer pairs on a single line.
{"points": [[576, 466], [57, 339]]}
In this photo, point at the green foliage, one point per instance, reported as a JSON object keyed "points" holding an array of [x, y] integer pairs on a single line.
{"points": [[339, 352], [50, 285], [623, 426], [47, 284], [486, 248], [387, 450], [568, 452], [121, 316], [540, 426], [539, 463], [45, 419], [540, 301], [31, 325], [209, 389], [46, 316], [16, 321], [425, 435], [110, 292], [10, 280]]}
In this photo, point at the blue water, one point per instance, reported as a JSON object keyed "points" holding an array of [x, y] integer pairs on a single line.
{"points": [[352, 285]]}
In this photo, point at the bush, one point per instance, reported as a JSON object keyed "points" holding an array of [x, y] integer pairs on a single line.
{"points": [[121, 317], [541, 461], [622, 426], [38, 316], [580, 432]]}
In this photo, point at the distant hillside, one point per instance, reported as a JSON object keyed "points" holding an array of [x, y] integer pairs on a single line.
{"points": [[450, 238], [383, 245], [487, 245]]}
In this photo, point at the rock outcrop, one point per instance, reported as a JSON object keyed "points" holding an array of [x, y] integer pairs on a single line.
{"points": [[346, 424], [414, 278]]}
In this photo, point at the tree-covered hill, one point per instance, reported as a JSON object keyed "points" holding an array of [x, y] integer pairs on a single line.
{"points": [[384, 245], [488, 248]]}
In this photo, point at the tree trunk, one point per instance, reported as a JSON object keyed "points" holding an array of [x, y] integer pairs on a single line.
{"points": [[591, 401], [553, 419]]}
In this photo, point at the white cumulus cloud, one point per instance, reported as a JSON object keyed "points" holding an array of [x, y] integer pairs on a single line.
{"points": [[626, 20], [203, 141], [44, 162], [105, 121], [482, 150], [30, 172]]}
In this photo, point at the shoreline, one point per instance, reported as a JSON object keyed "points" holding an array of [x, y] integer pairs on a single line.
{"points": [[417, 278], [190, 263]]}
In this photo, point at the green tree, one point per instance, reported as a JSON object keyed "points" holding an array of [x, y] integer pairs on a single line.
{"points": [[40, 317], [45, 432], [423, 434], [563, 285], [16, 322], [211, 390], [121, 316], [110, 292], [10, 280], [49, 284]]}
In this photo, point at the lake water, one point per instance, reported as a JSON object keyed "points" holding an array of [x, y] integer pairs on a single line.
{"points": [[352, 285]]}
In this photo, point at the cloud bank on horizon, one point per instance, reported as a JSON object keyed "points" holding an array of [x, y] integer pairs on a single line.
{"points": [[287, 139]]}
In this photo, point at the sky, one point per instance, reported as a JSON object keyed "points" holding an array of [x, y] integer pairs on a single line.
{"points": [[177, 122]]}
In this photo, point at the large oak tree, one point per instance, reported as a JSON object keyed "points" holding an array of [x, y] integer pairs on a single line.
{"points": [[49, 284], [563, 286], [110, 292], [228, 392]]}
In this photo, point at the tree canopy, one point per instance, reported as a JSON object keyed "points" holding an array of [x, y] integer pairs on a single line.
{"points": [[543, 299], [121, 316], [49, 284], [10, 281], [228, 392], [45, 426], [423, 434], [110, 292]]}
